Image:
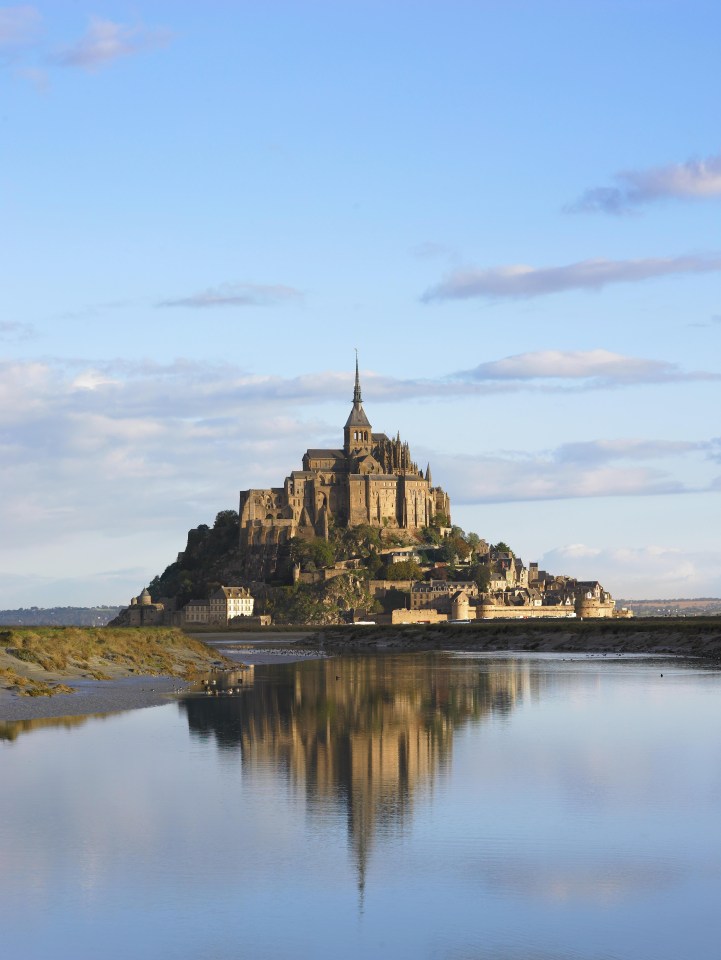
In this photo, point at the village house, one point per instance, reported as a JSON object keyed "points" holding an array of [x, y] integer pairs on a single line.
{"points": [[229, 602], [196, 613], [438, 594]]}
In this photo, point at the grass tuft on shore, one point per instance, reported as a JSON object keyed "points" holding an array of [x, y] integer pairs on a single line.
{"points": [[34, 660]]}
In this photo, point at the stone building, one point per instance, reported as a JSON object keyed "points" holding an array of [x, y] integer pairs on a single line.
{"points": [[370, 480], [228, 602], [438, 594], [196, 613], [142, 612]]}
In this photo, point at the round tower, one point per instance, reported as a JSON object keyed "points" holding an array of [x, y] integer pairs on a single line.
{"points": [[460, 606]]}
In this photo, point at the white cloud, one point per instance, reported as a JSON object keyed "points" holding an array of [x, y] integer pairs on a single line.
{"points": [[595, 368], [521, 281], [695, 179], [237, 295], [106, 41]]}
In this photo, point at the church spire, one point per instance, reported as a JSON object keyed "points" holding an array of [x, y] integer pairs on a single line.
{"points": [[357, 399], [357, 433]]}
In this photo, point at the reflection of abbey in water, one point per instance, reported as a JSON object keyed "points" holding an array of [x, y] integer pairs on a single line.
{"points": [[366, 733]]}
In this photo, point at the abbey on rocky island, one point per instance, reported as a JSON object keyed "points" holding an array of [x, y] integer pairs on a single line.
{"points": [[371, 480]]}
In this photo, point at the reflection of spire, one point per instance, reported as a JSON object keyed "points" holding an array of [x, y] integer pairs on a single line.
{"points": [[358, 830], [368, 739]]}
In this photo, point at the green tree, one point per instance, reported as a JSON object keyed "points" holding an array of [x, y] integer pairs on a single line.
{"points": [[321, 553], [502, 547], [431, 535], [374, 565], [403, 570], [394, 600], [481, 573], [454, 548]]}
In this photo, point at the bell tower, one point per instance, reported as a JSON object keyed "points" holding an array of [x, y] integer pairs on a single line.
{"points": [[357, 433]]}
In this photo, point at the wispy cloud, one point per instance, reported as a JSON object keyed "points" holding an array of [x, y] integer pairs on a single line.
{"points": [[605, 451], [106, 41], [237, 295], [594, 369], [93, 310], [519, 477], [695, 179], [712, 322], [641, 571], [19, 25], [10, 330], [522, 281], [429, 250], [639, 467]]}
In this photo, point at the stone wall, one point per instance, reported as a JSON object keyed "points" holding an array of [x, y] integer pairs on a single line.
{"points": [[489, 611], [418, 616]]}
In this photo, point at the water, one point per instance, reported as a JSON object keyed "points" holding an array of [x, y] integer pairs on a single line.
{"points": [[426, 806]]}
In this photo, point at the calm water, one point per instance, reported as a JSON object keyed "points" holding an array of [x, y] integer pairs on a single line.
{"points": [[432, 806]]}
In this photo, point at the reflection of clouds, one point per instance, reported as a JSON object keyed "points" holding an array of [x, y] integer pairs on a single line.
{"points": [[525, 952], [117, 803], [599, 882]]}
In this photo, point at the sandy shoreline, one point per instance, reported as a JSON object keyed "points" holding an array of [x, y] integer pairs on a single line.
{"points": [[92, 697]]}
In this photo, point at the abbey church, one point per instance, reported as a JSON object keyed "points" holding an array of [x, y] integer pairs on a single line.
{"points": [[371, 480]]}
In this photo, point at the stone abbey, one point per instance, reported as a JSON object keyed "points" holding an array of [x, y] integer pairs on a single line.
{"points": [[371, 480]]}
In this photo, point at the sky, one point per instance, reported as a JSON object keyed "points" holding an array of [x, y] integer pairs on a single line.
{"points": [[511, 209]]}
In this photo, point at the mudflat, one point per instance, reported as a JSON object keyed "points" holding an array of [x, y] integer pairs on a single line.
{"points": [[669, 636]]}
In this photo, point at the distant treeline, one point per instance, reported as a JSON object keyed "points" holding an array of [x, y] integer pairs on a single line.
{"points": [[59, 616]]}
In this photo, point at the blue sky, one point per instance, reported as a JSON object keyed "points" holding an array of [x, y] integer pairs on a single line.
{"points": [[511, 209]]}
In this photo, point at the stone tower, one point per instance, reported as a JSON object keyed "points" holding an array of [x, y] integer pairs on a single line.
{"points": [[357, 433]]}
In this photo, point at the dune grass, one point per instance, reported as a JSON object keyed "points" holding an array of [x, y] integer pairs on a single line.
{"points": [[33, 660]]}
